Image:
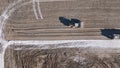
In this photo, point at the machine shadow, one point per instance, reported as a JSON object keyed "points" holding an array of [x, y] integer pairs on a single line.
{"points": [[68, 22], [110, 32], [64, 21]]}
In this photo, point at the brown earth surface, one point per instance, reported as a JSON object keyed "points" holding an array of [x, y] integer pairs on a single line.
{"points": [[30, 56], [96, 15]]}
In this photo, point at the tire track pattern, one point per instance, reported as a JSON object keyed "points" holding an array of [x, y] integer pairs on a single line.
{"points": [[63, 58]]}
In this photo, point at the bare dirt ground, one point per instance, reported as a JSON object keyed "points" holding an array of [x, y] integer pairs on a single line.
{"points": [[33, 57], [23, 25]]}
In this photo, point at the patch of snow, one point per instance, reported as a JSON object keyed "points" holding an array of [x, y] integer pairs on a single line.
{"points": [[1, 61], [72, 43]]}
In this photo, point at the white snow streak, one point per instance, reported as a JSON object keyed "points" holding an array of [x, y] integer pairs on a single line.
{"points": [[71, 43], [39, 10], [34, 9], [45, 44], [5, 15]]}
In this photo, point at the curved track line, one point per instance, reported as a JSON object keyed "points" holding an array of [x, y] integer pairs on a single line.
{"points": [[5, 15], [34, 9], [39, 9]]}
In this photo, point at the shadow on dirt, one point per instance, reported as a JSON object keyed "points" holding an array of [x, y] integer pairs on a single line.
{"points": [[64, 21], [110, 32], [68, 22], [74, 21]]}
